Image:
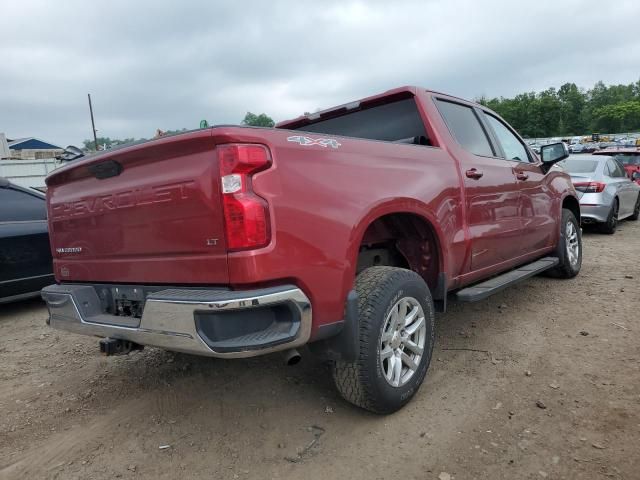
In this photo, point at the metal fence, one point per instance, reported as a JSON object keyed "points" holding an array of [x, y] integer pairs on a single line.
{"points": [[28, 173]]}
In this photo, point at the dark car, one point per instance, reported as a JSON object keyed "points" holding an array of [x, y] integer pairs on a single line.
{"points": [[25, 254]]}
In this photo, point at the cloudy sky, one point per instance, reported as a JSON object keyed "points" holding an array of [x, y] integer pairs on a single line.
{"points": [[158, 64]]}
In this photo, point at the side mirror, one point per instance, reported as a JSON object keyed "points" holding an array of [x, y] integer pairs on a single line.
{"points": [[70, 153], [635, 176], [552, 154]]}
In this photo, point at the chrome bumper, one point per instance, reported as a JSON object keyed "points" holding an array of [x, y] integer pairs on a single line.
{"points": [[169, 317]]}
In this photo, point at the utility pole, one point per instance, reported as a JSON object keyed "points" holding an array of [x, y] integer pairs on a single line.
{"points": [[93, 124]]}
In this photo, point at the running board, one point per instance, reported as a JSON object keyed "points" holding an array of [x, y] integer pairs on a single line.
{"points": [[483, 290]]}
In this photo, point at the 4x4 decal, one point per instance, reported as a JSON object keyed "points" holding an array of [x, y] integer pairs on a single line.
{"points": [[308, 141]]}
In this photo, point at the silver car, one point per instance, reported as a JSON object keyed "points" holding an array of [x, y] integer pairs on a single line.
{"points": [[576, 148], [606, 193]]}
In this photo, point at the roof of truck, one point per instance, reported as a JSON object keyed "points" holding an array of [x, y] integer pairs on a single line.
{"points": [[399, 91], [311, 117]]}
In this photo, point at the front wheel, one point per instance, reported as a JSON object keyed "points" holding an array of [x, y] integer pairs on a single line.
{"points": [[396, 322], [569, 249]]}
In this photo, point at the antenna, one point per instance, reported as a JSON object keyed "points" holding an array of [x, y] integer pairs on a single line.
{"points": [[93, 124]]}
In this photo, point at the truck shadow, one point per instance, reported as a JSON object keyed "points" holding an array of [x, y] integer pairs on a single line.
{"points": [[23, 307], [240, 410], [177, 383]]}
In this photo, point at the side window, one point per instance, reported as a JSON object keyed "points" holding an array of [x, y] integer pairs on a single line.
{"points": [[512, 146], [607, 169], [17, 206], [620, 172], [615, 171], [465, 127]]}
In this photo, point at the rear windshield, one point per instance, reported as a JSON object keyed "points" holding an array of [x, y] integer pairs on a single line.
{"points": [[627, 158], [579, 166], [392, 122]]}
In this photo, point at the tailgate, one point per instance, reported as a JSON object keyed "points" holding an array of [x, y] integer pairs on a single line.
{"points": [[154, 217]]}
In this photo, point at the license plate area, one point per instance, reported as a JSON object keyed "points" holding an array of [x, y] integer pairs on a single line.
{"points": [[128, 301], [123, 300]]}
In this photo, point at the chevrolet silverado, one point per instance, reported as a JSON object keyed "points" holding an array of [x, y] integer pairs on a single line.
{"points": [[343, 230]]}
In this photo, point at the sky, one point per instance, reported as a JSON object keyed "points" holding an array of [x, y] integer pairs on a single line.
{"points": [[168, 65]]}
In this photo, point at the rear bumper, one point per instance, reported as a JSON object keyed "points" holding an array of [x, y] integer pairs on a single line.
{"points": [[594, 213], [209, 322]]}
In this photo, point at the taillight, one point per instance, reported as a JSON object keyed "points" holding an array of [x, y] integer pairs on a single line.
{"points": [[246, 215], [589, 187]]}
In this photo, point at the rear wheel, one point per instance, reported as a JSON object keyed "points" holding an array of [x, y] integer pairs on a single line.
{"points": [[636, 210], [609, 227], [396, 320], [569, 249]]}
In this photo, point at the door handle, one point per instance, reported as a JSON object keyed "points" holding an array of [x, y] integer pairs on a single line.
{"points": [[522, 176], [474, 173]]}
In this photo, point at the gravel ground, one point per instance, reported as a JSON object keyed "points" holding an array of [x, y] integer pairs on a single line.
{"points": [[540, 381]]}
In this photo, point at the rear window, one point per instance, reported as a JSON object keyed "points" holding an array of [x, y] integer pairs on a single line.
{"points": [[627, 158], [579, 166], [389, 122]]}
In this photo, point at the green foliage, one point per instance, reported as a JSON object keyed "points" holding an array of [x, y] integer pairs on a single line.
{"points": [[262, 120], [619, 117], [571, 111]]}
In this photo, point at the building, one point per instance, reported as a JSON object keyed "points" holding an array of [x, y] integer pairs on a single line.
{"points": [[27, 161], [32, 149]]}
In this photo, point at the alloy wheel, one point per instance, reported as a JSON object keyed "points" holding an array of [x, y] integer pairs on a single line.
{"points": [[572, 242], [402, 341]]}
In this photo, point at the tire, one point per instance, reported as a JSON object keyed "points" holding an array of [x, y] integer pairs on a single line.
{"points": [[569, 249], [609, 227], [385, 293], [636, 210]]}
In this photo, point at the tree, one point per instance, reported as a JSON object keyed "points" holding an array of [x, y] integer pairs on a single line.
{"points": [[262, 120], [550, 112], [621, 117], [570, 110], [572, 102]]}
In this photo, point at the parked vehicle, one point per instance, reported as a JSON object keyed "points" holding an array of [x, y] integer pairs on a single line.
{"points": [[343, 230], [25, 254], [576, 148], [606, 194], [629, 158], [589, 147]]}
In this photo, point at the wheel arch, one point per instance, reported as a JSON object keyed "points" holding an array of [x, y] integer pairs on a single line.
{"points": [[572, 203], [423, 222]]}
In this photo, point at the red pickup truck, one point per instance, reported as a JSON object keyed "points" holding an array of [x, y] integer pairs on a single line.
{"points": [[344, 230]]}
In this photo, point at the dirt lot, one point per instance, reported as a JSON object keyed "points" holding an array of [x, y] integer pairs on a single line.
{"points": [[541, 381]]}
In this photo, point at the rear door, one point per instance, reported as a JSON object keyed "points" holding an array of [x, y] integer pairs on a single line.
{"points": [[491, 189], [625, 189], [536, 200], [25, 255]]}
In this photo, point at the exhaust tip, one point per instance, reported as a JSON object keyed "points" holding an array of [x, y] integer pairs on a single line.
{"points": [[292, 357]]}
